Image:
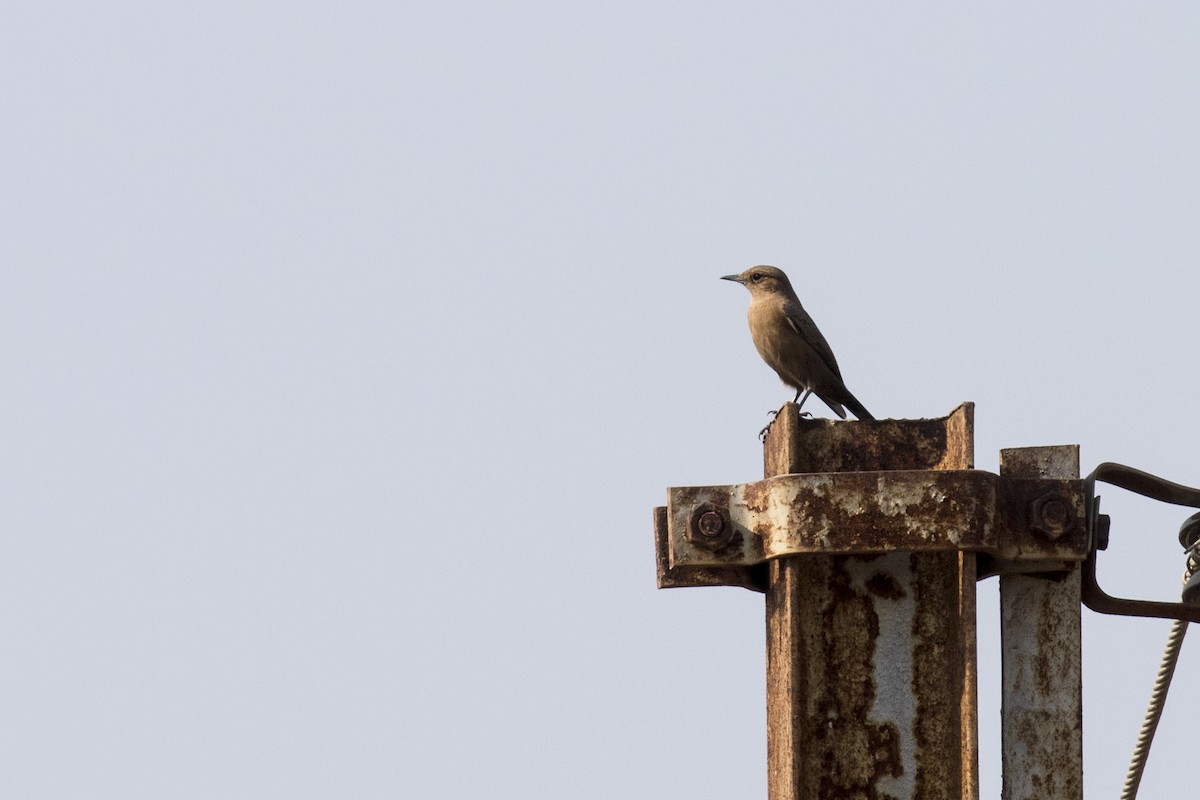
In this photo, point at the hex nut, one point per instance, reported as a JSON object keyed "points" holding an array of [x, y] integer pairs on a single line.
{"points": [[1051, 516], [709, 527]]}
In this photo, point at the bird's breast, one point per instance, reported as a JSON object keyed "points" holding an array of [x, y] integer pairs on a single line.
{"points": [[777, 342]]}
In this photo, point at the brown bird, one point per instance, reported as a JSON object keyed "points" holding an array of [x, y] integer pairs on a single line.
{"points": [[788, 340]]}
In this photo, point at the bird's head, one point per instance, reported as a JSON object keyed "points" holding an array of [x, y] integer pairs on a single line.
{"points": [[762, 280]]}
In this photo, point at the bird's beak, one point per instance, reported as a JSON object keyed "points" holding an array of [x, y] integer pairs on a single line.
{"points": [[734, 278]]}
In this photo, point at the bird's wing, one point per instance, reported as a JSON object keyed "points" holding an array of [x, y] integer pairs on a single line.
{"points": [[803, 324]]}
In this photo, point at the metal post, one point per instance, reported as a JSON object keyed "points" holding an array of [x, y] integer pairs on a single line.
{"points": [[871, 658], [1042, 707], [867, 538]]}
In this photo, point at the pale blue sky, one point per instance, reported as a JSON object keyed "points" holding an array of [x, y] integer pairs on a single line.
{"points": [[347, 348]]}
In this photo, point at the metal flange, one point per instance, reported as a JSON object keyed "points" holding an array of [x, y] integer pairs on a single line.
{"points": [[876, 512]]}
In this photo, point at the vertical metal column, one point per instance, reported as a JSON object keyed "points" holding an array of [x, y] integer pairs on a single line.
{"points": [[1042, 706], [871, 659]]}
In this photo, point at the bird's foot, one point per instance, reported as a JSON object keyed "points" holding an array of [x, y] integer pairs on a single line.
{"points": [[762, 435]]}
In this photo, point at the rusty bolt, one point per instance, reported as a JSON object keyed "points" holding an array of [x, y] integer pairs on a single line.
{"points": [[1103, 526], [1052, 515], [709, 527]]}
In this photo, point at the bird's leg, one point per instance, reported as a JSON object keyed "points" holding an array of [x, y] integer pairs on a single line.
{"points": [[762, 435], [807, 392]]}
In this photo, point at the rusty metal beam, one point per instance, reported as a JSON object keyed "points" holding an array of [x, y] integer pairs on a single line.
{"points": [[1042, 707], [870, 658], [877, 512]]}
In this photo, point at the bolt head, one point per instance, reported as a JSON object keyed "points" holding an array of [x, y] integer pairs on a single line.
{"points": [[1052, 516], [709, 527]]}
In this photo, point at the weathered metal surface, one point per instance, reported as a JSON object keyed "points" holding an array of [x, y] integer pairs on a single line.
{"points": [[877, 713], [1041, 711], [904, 444], [753, 577], [870, 658], [876, 512], [968, 702]]}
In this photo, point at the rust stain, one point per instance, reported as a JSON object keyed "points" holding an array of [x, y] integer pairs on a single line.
{"points": [[757, 496], [670, 577], [881, 511], [827, 738], [855, 752], [881, 584], [937, 655]]}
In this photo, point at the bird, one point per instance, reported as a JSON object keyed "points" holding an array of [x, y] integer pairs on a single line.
{"points": [[788, 340]]}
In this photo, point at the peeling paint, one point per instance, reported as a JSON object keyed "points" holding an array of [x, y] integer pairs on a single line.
{"points": [[875, 512], [894, 703]]}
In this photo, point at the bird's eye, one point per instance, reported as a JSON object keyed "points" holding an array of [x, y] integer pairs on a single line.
{"points": [[756, 277]]}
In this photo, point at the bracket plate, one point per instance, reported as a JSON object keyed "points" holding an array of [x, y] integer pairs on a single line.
{"points": [[876, 512]]}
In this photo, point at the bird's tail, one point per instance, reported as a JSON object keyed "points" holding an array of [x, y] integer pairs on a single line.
{"points": [[856, 408]]}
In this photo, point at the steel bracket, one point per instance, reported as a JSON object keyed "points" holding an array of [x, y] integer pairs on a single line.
{"points": [[1156, 488], [717, 533]]}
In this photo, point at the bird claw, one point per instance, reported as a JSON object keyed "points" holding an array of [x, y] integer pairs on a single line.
{"points": [[774, 413], [762, 435]]}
